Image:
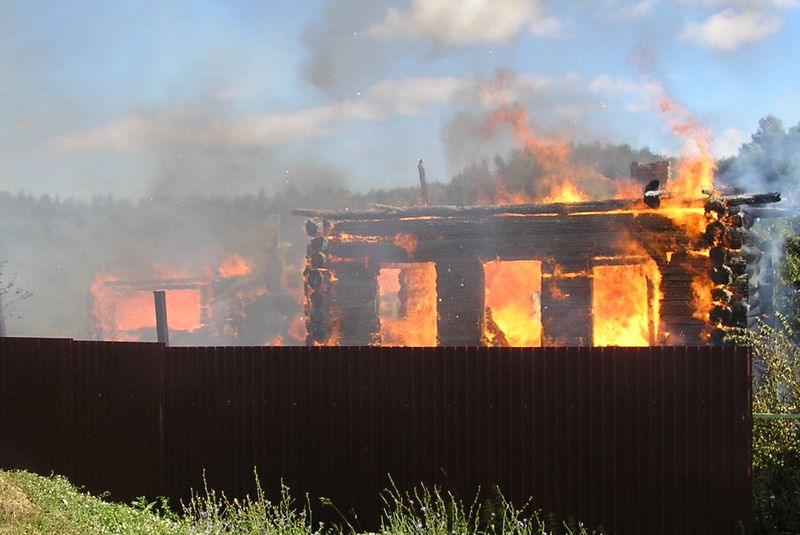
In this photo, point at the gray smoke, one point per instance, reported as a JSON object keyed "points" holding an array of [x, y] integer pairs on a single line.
{"points": [[770, 161], [342, 57]]}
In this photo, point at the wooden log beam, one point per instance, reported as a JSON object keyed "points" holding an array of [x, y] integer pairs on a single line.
{"points": [[751, 199], [473, 211], [355, 302], [387, 212]]}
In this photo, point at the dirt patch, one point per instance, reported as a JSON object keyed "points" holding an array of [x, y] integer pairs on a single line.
{"points": [[14, 505]]}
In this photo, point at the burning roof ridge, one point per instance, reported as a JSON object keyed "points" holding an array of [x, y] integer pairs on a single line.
{"points": [[382, 211]]}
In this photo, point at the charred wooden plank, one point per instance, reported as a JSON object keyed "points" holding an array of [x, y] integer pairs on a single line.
{"points": [[508, 226], [566, 309], [460, 290]]}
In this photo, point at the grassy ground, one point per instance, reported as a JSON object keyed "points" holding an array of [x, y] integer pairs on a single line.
{"points": [[35, 505]]}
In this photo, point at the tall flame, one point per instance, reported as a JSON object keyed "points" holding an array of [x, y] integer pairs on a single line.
{"points": [[562, 180], [695, 173], [696, 169]]}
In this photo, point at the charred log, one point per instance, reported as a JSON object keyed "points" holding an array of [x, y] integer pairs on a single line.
{"points": [[718, 255], [498, 337], [320, 243], [566, 307], [355, 295], [313, 227], [721, 275], [715, 232], [751, 199], [317, 260], [721, 295], [717, 207]]}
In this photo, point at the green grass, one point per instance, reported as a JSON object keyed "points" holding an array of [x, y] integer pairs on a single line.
{"points": [[36, 505], [33, 505]]}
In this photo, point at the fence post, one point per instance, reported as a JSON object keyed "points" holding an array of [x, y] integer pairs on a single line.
{"points": [[2, 319], [161, 378], [162, 328]]}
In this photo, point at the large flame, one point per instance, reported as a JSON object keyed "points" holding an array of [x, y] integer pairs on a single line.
{"points": [[513, 308], [562, 180], [123, 308], [625, 304], [122, 311], [695, 171], [408, 305], [695, 174], [234, 266]]}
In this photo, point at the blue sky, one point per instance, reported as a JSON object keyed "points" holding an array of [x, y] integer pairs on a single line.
{"points": [[138, 98]]}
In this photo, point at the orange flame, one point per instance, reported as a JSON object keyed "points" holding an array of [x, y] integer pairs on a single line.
{"points": [[120, 312], [512, 295], [625, 304], [408, 305], [568, 193], [407, 242], [562, 181], [696, 168], [695, 173], [234, 266], [550, 153]]}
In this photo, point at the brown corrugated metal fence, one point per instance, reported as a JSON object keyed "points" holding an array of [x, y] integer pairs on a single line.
{"points": [[653, 440]]}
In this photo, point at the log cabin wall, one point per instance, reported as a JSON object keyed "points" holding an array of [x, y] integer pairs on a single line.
{"points": [[566, 302], [569, 245]]}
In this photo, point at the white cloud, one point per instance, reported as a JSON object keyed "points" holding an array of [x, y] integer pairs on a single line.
{"points": [[743, 4], [412, 95], [637, 10], [507, 88], [729, 29], [380, 101], [727, 142], [233, 93], [267, 130], [252, 131], [467, 22], [642, 95]]}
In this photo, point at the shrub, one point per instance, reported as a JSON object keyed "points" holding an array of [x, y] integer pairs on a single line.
{"points": [[776, 442]]}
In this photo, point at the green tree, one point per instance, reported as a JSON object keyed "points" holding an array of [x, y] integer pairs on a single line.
{"points": [[776, 441], [771, 158]]}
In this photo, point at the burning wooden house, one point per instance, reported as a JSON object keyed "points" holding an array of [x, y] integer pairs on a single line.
{"points": [[238, 301], [656, 270]]}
